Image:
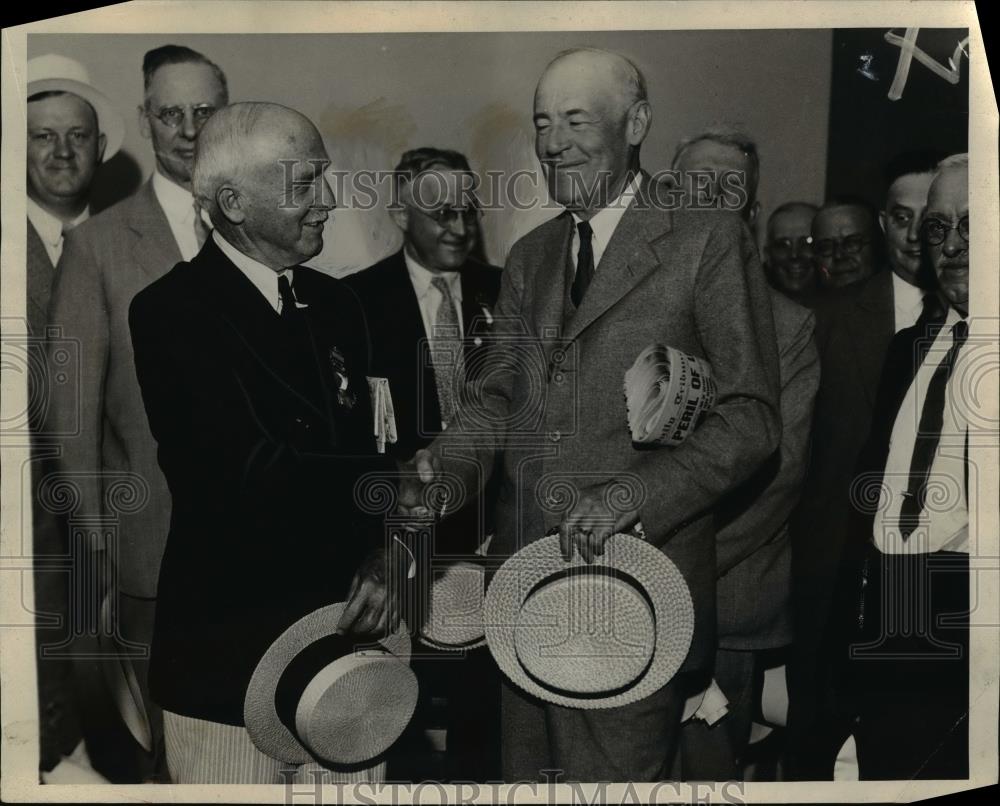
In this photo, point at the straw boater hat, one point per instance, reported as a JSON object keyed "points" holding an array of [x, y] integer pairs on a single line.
{"points": [[595, 635], [55, 73], [317, 695], [455, 611]]}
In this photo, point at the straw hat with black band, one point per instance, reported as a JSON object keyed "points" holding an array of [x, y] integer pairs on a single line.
{"points": [[317, 695], [55, 73]]}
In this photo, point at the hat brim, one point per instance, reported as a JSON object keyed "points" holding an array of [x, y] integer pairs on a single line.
{"points": [[447, 631], [660, 579], [260, 715], [109, 121]]}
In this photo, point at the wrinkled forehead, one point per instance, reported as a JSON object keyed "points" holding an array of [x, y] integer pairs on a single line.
{"points": [[439, 187], [65, 110], [841, 221], [581, 82], [188, 83], [949, 193]]}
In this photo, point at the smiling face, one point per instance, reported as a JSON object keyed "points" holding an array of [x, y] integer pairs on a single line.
{"points": [[588, 125], [904, 207], [842, 242], [438, 242], [790, 259], [725, 167], [948, 202], [284, 197], [189, 87], [64, 150]]}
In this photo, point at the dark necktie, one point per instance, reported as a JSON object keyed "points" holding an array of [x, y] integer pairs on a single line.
{"points": [[584, 263], [929, 435], [289, 311], [933, 313]]}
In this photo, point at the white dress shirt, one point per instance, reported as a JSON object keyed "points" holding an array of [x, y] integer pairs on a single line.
{"points": [[944, 521], [265, 279], [178, 205], [50, 229], [907, 302], [428, 297], [604, 223]]}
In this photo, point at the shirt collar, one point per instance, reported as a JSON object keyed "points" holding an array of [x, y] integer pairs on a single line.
{"points": [[603, 223], [421, 278], [49, 228], [263, 277], [906, 296], [177, 203]]}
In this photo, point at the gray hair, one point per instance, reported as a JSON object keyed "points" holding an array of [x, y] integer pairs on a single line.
{"points": [[222, 154], [735, 138], [954, 161]]}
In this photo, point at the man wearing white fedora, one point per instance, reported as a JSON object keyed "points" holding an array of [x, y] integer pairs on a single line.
{"points": [[72, 128], [105, 262], [581, 297]]}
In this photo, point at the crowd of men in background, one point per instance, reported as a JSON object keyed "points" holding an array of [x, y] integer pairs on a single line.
{"points": [[869, 311]]}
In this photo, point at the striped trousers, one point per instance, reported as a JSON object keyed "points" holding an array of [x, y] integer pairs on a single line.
{"points": [[203, 752]]}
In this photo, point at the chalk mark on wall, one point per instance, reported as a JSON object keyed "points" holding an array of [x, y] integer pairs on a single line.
{"points": [[908, 51]]}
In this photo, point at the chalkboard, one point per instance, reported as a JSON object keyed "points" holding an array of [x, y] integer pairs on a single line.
{"points": [[893, 90]]}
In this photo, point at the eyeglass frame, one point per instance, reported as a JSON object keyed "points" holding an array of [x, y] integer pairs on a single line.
{"points": [[801, 244], [841, 243], [470, 215], [182, 108], [948, 227]]}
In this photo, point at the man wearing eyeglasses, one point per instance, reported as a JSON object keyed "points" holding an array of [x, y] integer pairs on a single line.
{"points": [[843, 232], [104, 264], [854, 330], [428, 308], [790, 263], [911, 636]]}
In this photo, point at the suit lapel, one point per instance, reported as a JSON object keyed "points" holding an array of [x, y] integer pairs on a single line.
{"points": [[549, 289], [871, 325], [41, 272], [627, 260], [155, 251]]}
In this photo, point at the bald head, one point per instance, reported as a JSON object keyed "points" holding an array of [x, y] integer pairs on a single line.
{"points": [[591, 116], [259, 172]]}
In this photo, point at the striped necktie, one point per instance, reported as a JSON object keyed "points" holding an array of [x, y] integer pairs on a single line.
{"points": [[446, 343]]}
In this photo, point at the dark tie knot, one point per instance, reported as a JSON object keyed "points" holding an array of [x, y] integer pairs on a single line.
{"points": [[287, 297], [585, 230]]}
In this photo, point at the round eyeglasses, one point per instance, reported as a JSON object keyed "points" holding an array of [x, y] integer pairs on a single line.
{"points": [[447, 216], [173, 116], [786, 247], [934, 230], [850, 245]]}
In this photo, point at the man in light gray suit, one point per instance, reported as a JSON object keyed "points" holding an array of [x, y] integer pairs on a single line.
{"points": [[752, 538], [585, 293], [105, 263]]}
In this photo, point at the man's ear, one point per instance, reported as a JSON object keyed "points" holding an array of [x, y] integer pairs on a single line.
{"points": [[144, 125], [754, 212], [882, 220], [102, 143], [230, 204], [640, 119], [400, 216]]}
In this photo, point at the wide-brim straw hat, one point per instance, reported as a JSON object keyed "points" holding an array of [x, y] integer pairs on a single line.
{"points": [[320, 696], [597, 635], [55, 73], [454, 617]]}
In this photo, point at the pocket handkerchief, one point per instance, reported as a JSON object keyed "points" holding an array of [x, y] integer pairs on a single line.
{"points": [[382, 411]]}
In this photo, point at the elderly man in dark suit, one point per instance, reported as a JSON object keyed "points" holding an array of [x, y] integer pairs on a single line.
{"points": [[104, 264], [432, 302], [752, 539], [72, 129], [584, 293], [252, 369], [853, 335]]}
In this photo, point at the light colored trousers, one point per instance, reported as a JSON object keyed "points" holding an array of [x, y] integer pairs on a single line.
{"points": [[202, 752]]}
